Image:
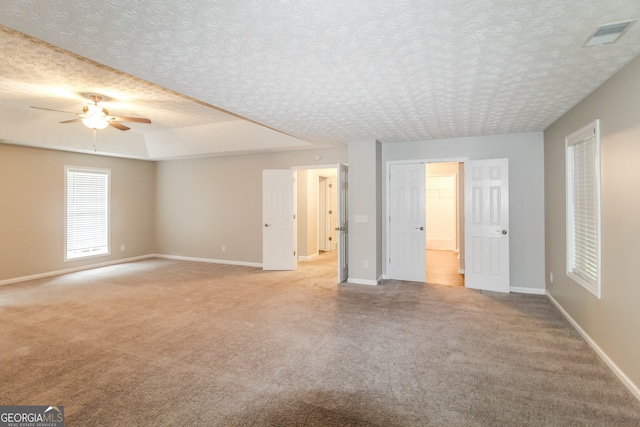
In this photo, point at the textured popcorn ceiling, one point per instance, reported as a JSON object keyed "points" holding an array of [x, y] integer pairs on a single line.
{"points": [[329, 71], [35, 73]]}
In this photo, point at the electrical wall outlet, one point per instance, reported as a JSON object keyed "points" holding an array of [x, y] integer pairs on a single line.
{"points": [[122, 248], [224, 248], [365, 264], [551, 277]]}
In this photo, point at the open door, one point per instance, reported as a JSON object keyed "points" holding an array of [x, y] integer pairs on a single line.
{"points": [[486, 201], [335, 218], [278, 220], [343, 225], [407, 216]]}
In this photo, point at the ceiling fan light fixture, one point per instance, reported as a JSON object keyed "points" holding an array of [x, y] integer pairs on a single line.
{"points": [[95, 117], [95, 122]]}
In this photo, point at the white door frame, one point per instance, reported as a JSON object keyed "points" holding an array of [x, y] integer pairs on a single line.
{"points": [[385, 223]]}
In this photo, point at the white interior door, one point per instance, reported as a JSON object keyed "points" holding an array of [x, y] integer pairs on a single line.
{"points": [[278, 220], [486, 188], [343, 224], [407, 216]]}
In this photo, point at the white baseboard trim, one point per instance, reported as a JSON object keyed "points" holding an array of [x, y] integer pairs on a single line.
{"points": [[307, 258], [633, 388], [209, 260], [362, 282], [461, 271], [532, 291], [73, 270]]}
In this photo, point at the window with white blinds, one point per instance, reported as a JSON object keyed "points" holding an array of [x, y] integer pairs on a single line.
{"points": [[583, 207], [87, 212]]}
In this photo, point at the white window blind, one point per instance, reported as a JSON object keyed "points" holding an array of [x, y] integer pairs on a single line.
{"points": [[583, 207], [87, 212]]}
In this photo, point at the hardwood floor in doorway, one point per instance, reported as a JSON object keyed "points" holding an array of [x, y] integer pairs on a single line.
{"points": [[442, 268]]}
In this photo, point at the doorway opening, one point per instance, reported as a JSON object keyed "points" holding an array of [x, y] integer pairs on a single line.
{"points": [[483, 188], [317, 218], [290, 200], [444, 200]]}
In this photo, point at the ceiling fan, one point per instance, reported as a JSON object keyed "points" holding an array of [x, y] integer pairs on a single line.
{"points": [[95, 117]]}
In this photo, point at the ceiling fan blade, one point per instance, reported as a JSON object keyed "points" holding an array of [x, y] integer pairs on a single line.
{"points": [[72, 120], [118, 125], [131, 119], [51, 109]]}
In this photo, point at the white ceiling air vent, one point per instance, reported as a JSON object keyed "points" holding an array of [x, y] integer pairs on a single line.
{"points": [[609, 33]]}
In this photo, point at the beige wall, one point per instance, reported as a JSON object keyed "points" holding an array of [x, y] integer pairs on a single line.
{"points": [[612, 322], [364, 194], [32, 209], [182, 207], [207, 203]]}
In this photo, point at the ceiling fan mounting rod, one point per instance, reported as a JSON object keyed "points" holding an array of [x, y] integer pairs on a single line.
{"points": [[95, 98]]}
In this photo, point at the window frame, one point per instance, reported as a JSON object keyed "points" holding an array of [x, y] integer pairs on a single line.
{"points": [[584, 279], [96, 253]]}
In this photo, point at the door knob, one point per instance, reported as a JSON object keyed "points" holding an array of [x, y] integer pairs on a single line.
{"points": [[267, 225], [503, 231], [420, 228]]}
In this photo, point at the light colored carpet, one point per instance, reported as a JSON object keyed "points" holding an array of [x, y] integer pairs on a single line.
{"points": [[175, 343]]}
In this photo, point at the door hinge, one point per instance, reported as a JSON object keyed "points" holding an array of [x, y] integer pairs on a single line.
{"points": [[330, 212], [294, 216], [294, 253]]}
